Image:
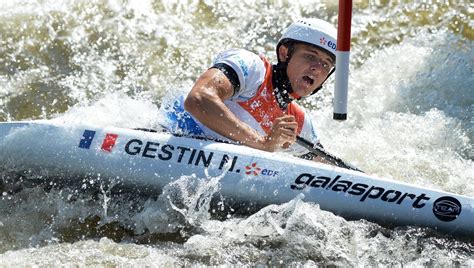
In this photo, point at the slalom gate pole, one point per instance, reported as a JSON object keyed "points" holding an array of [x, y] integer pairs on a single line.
{"points": [[342, 59]]}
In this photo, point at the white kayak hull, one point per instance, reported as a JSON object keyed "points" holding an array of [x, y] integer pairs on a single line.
{"points": [[152, 160]]}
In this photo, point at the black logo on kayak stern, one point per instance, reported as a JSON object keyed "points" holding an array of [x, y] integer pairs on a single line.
{"points": [[447, 208]]}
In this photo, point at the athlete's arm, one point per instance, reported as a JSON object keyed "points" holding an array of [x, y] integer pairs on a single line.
{"points": [[206, 103]]}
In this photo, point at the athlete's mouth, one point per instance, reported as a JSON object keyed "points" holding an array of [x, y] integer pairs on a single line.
{"points": [[308, 80]]}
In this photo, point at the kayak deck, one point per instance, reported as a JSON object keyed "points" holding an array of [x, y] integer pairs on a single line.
{"points": [[152, 160]]}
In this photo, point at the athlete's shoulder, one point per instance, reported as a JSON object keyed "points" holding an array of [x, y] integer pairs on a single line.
{"points": [[249, 67], [241, 59], [238, 53]]}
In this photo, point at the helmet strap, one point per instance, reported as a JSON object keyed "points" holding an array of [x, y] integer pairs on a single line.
{"points": [[281, 85], [321, 86]]}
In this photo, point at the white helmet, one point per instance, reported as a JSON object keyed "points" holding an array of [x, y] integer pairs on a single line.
{"points": [[314, 32]]}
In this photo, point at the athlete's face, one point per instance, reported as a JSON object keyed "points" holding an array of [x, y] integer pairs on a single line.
{"points": [[307, 69]]}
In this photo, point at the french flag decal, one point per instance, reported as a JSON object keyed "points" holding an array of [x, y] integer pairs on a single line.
{"points": [[87, 138], [109, 142]]}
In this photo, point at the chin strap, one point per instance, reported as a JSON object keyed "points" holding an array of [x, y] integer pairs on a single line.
{"points": [[321, 86], [281, 86]]}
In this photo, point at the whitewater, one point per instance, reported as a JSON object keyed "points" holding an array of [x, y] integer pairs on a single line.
{"points": [[114, 63]]}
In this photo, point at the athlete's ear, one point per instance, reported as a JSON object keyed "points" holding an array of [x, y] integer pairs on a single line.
{"points": [[283, 53]]}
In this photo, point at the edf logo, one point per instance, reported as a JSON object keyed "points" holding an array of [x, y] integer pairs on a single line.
{"points": [[269, 172], [331, 45], [253, 169], [322, 41], [325, 42]]}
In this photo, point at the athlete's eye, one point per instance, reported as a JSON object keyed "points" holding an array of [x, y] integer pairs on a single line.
{"points": [[310, 57]]}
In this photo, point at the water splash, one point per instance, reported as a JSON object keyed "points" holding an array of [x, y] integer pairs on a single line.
{"points": [[112, 62], [184, 205], [410, 118]]}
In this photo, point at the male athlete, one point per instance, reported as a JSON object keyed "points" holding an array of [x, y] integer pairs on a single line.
{"points": [[244, 98]]}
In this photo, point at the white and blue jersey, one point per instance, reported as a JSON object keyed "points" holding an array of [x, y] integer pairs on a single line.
{"points": [[253, 101]]}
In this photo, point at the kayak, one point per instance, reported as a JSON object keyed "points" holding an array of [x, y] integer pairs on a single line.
{"points": [[151, 160]]}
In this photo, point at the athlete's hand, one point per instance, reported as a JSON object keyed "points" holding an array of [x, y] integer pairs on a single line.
{"points": [[282, 135]]}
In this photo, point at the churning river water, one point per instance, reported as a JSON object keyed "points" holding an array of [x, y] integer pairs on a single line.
{"points": [[113, 63]]}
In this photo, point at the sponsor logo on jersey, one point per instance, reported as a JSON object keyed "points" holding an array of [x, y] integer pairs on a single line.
{"points": [[244, 67]]}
